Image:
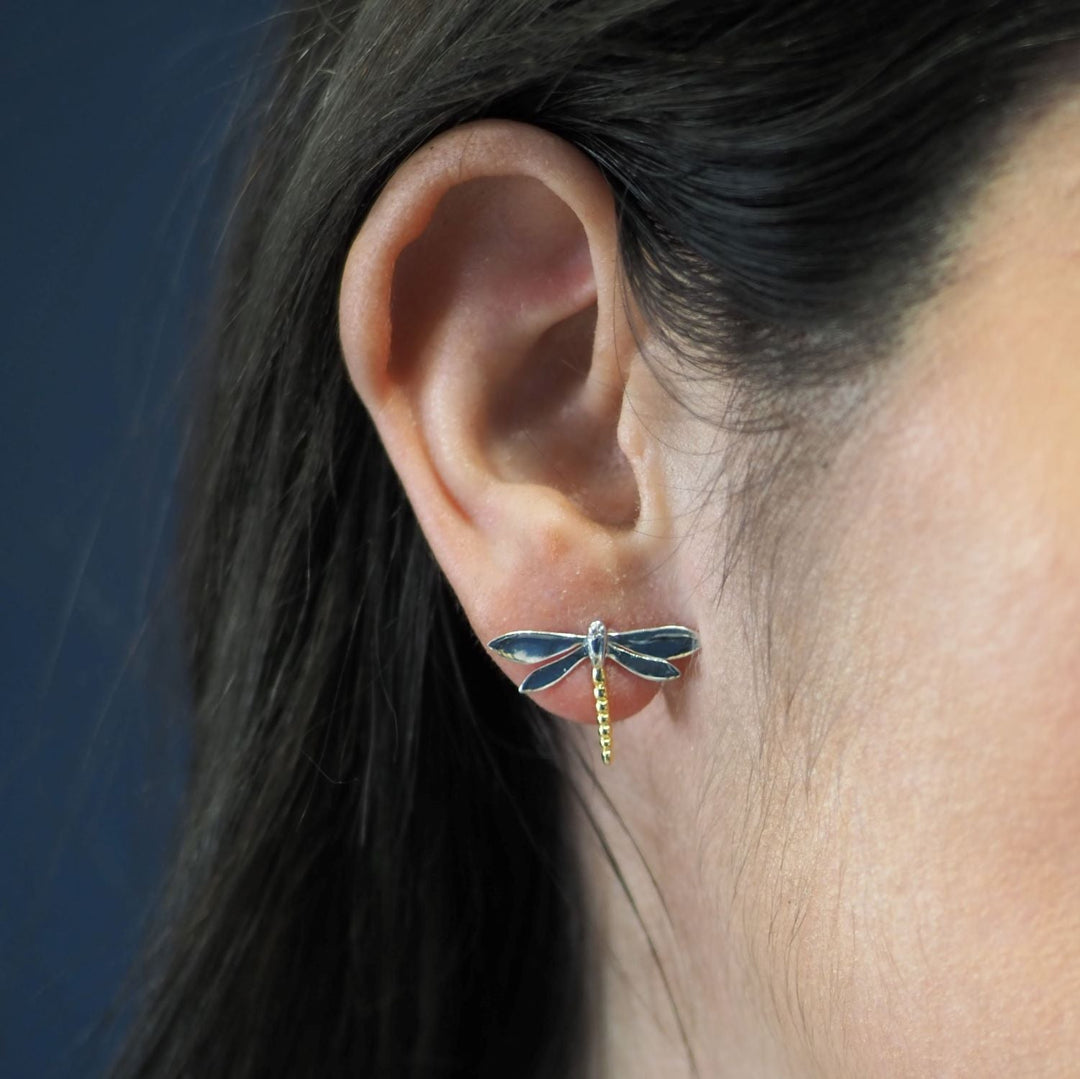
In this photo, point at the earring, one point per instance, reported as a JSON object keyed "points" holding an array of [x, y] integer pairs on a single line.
{"points": [[644, 652]]}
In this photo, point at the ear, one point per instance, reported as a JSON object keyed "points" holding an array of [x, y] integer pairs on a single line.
{"points": [[484, 327]]}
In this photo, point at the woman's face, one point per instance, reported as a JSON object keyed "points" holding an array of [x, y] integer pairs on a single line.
{"points": [[892, 828], [850, 830], [889, 816]]}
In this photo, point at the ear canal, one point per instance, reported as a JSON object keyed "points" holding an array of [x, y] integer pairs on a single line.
{"points": [[503, 277], [544, 431]]}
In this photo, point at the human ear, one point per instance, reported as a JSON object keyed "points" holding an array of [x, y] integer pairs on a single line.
{"points": [[483, 326]]}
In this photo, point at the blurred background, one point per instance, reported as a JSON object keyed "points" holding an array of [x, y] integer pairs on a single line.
{"points": [[112, 117]]}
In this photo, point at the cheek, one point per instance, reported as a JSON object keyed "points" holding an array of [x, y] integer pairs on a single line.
{"points": [[946, 682], [966, 553]]}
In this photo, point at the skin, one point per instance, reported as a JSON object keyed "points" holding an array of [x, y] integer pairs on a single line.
{"points": [[853, 854]]}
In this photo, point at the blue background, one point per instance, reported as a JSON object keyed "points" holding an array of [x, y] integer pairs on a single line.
{"points": [[111, 115]]}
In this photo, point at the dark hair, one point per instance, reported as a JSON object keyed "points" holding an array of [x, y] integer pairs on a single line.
{"points": [[377, 873]]}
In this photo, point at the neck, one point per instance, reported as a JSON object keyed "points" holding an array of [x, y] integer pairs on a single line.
{"points": [[674, 999]]}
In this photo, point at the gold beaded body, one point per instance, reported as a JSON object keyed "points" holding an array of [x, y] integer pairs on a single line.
{"points": [[603, 720]]}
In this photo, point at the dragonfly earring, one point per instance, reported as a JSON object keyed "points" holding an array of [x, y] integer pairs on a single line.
{"points": [[644, 652]]}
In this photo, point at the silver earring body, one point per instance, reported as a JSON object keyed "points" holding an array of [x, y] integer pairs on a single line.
{"points": [[644, 652]]}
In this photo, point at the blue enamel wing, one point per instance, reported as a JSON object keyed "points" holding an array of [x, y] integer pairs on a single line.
{"points": [[644, 652]]}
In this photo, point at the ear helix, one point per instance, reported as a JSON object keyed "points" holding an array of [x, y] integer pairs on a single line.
{"points": [[643, 652]]}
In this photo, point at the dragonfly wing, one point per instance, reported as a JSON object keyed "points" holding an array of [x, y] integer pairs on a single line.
{"points": [[551, 672], [657, 670], [664, 642], [533, 646]]}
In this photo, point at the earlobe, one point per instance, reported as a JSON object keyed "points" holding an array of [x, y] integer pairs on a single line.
{"points": [[483, 326]]}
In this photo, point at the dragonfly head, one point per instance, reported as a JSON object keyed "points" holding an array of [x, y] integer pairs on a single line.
{"points": [[596, 642]]}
